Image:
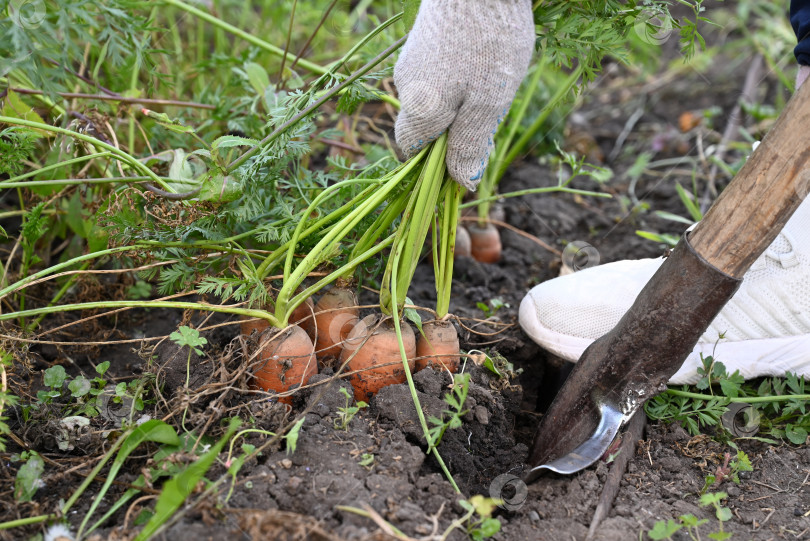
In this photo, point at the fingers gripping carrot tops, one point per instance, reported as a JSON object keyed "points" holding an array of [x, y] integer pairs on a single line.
{"points": [[457, 81]]}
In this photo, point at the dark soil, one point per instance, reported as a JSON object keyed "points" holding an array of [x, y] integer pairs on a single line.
{"points": [[353, 483]]}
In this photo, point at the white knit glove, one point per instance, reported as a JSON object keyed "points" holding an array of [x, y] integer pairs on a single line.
{"points": [[460, 68]]}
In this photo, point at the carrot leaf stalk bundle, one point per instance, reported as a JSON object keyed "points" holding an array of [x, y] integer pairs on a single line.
{"points": [[438, 344], [416, 222]]}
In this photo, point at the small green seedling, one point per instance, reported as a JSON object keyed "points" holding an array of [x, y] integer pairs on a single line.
{"points": [[666, 529], [82, 397], [186, 336], [29, 476], [492, 308], [730, 469], [347, 413], [139, 290], [367, 460], [479, 522], [455, 399]]}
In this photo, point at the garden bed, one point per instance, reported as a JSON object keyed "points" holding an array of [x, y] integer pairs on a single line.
{"points": [[365, 474]]}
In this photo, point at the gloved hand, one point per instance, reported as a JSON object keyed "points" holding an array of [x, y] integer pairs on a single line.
{"points": [[460, 68]]}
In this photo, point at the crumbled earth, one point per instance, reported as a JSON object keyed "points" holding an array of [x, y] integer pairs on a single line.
{"points": [[361, 481]]}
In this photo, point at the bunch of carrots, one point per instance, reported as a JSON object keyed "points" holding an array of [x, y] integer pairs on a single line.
{"points": [[417, 198]]}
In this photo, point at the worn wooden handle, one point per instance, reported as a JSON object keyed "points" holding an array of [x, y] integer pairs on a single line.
{"points": [[755, 206]]}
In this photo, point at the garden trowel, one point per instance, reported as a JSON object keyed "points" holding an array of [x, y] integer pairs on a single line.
{"points": [[633, 362]]}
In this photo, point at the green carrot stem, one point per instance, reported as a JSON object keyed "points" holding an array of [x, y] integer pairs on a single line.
{"points": [[516, 115], [362, 43], [280, 253], [322, 197], [524, 139], [315, 105], [144, 304], [447, 247], [69, 182], [548, 189], [80, 159], [339, 230], [409, 377], [19, 284], [740, 399], [348, 268], [120, 154], [502, 144], [390, 213], [327, 243], [416, 221], [56, 298]]}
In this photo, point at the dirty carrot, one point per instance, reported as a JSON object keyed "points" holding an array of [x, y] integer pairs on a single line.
{"points": [[287, 360], [438, 346], [336, 313], [485, 242], [373, 342]]}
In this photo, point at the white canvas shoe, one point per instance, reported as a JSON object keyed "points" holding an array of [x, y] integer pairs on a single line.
{"points": [[765, 327]]}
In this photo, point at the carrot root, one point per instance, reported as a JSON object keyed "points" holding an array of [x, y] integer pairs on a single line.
{"points": [[369, 345], [336, 313], [438, 347], [485, 243], [289, 361]]}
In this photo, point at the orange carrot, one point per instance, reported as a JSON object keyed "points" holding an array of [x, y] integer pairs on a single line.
{"points": [[250, 324], [438, 347], [335, 315], [485, 243], [289, 360], [369, 345], [303, 316]]}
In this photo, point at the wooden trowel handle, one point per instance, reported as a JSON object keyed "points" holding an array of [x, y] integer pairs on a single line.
{"points": [[752, 210]]}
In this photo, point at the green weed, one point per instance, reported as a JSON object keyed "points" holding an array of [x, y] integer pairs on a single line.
{"points": [[455, 399], [666, 529], [779, 404], [492, 308], [477, 520], [347, 413]]}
